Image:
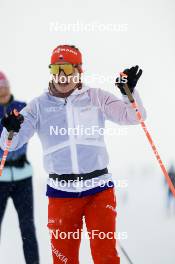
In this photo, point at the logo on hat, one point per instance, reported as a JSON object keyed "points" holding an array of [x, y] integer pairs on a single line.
{"points": [[61, 57]]}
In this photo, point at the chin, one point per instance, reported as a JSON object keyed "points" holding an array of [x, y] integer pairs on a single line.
{"points": [[63, 88]]}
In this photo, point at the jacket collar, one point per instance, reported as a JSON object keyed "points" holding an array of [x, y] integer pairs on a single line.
{"points": [[82, 90], [71, 96]]}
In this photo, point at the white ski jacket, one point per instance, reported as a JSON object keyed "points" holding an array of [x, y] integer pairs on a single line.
{"points": [[54, 119]]}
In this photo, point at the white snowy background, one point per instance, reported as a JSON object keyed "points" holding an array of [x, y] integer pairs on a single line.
{"points": [[27, 37]]}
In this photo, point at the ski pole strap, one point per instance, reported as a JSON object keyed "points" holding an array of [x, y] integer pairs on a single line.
{"points": [[6, 151], [79, 177]]}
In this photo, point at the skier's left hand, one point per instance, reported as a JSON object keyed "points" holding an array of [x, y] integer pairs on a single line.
{"points": [[133, 75]]}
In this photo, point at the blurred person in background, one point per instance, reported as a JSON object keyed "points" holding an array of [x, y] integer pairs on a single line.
{"points": [[16, 180], [170, 197]]}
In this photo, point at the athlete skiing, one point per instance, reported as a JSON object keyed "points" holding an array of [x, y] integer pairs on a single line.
{"points": [[79, 184]]}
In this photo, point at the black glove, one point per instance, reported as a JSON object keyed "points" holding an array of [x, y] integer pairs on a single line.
{"points": [[133, 74], [18, 163], [12, 121]]}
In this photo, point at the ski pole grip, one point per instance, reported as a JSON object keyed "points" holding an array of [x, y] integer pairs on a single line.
{"points": [[10, 136], [126, 88], [11, 133]]}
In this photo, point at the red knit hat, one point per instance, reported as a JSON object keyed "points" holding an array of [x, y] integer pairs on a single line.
{"points": [[66, 53], [3, 80]]}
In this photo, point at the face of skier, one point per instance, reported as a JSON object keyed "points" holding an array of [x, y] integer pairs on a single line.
{"points": [[65, 83], [4, 94]]}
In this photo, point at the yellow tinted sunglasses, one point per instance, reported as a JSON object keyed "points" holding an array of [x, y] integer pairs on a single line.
{"points": [[68, 69]]}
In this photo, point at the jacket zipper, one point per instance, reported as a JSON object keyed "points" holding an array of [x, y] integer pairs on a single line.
{"points": [[65, 100], [12, 175], [73, 147], [11, 169]]}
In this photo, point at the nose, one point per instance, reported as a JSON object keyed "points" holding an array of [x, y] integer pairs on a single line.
{"points": [[62, 73], [62, 77]]}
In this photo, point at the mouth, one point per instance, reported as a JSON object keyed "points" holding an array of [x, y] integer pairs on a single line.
{"points": [[63, 84]]}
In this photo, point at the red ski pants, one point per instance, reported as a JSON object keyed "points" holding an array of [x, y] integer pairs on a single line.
{"points": [[65, 222]]}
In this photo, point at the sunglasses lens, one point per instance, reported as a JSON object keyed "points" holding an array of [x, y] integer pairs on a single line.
{"points": [[54, 68], [67, 68]]}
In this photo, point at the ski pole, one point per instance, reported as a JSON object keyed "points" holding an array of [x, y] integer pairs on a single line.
{"points": [[142, 123], [125, 254], [8, 144], [6, 151]]}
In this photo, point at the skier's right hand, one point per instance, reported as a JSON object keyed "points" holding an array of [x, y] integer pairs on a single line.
{"points": [[12, 121]]}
